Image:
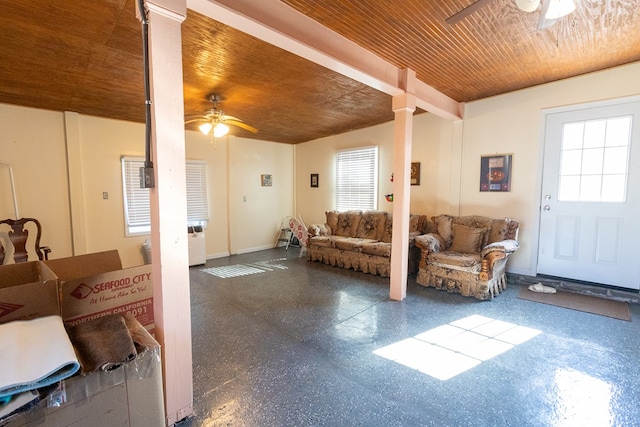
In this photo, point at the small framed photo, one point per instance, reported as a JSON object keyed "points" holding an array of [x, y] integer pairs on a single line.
{"points": [[415, 173], [267, 180], [314, 180], [495, 172]]}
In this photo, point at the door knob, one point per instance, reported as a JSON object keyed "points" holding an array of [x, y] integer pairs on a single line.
{"points": [[546, 208]]}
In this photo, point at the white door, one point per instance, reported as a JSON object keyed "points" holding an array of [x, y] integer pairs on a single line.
{"points": [[590, 207]]}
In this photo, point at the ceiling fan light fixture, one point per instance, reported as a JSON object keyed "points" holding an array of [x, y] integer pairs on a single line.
{"points": [[205, 128], [220, 130], [528, 5], [559, 8]]}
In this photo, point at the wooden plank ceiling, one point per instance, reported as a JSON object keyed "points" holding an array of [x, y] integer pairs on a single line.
{"points": [[86, 57]]}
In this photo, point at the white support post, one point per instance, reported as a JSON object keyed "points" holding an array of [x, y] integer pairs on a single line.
{"points": [[403, 106], [172, 306]]}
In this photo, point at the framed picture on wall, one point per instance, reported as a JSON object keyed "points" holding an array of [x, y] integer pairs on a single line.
{"points": [[266, 180], [415, 173], [495, 172], [314, 180]]}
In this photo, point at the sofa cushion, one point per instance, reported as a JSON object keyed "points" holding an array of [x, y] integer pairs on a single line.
{"points": [[455, 259], [323, 241], [350, 244], [414, 222], [467, 239], [377, 248], [498, 232], [371, 225], [386, 234], [348, 223], [428, 226], [332, 219], [443, 225]]}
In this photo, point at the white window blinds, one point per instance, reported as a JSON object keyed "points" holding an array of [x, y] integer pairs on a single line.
{"points": [[137, 208], [136, 200], [357, 179], [197, 207]]}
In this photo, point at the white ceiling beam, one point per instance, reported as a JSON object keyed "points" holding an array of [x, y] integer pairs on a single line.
{"points": [[280, 25]]}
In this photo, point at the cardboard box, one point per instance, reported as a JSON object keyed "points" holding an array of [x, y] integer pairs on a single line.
{"points": [[95, 285], [128, 396], [27, 290]]}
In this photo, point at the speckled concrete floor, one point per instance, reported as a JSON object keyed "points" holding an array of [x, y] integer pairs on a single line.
{"points": [[293, 345]]}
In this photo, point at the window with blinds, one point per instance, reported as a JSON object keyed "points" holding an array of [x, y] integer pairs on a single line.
{"points": [[357, 179], [137, 208]]}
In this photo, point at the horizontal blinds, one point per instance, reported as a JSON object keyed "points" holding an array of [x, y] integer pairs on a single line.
{"points": [[197, 207], [136, 201], [356, 179]]}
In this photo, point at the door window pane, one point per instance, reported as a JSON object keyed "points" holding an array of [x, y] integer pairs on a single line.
{"points": [[615, 160], [572, 136], [594, 133], [618, 131], [569, 188], [571, 162], [590, 186], [613, 188], [592, 161], [595, 160]]}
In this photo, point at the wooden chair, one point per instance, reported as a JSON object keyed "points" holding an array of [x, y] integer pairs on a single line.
{"points": [[18, 237]]}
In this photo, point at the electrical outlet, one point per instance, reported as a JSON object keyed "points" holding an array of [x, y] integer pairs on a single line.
{"points": [[244, 198], [105, 195]]}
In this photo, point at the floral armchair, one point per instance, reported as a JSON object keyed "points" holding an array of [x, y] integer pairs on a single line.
{"points": [[467, 255]]}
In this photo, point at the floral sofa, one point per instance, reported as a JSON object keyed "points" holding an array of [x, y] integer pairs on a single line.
{"points": [[467, 255], [361, 240]]}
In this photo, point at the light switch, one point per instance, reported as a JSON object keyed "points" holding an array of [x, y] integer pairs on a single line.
{"points": [[244, 198]]}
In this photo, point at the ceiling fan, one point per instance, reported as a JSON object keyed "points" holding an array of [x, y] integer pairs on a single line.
{"points": [[216, 120], [550, 11]]}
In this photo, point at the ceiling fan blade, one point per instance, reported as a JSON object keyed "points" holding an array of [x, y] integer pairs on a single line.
{"points": [[452, 20], [225, 117], [201, 119], [240, 124], [544, 22]]}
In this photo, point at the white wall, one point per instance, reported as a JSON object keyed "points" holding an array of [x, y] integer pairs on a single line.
{"points": [[449, 153], [512, 123], [318, 156], [34, 141], [432, 147], [256, 212]]}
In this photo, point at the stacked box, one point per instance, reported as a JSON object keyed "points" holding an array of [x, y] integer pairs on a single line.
{"points": [[95, 285], [27, 290], [79, 289]]}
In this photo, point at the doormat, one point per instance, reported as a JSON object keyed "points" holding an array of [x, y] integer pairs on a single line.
{"points": [[586, 303]]}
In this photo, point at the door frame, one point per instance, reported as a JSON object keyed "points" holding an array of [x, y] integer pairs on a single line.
{"points": [[537, 205]]}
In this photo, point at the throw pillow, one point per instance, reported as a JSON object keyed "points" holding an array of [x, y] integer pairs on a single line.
{"points": [[467, 239], [443, 227], [332, 219], [371, 224]]}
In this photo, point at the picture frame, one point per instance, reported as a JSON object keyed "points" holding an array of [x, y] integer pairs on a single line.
{"points": [[266, 180], [315, 183], [415, 173], [495, 172]]}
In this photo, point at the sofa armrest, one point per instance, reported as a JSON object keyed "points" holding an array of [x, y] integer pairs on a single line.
{"points": [[493, 253], [506, 246], [430, 242], [319, 230]]}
